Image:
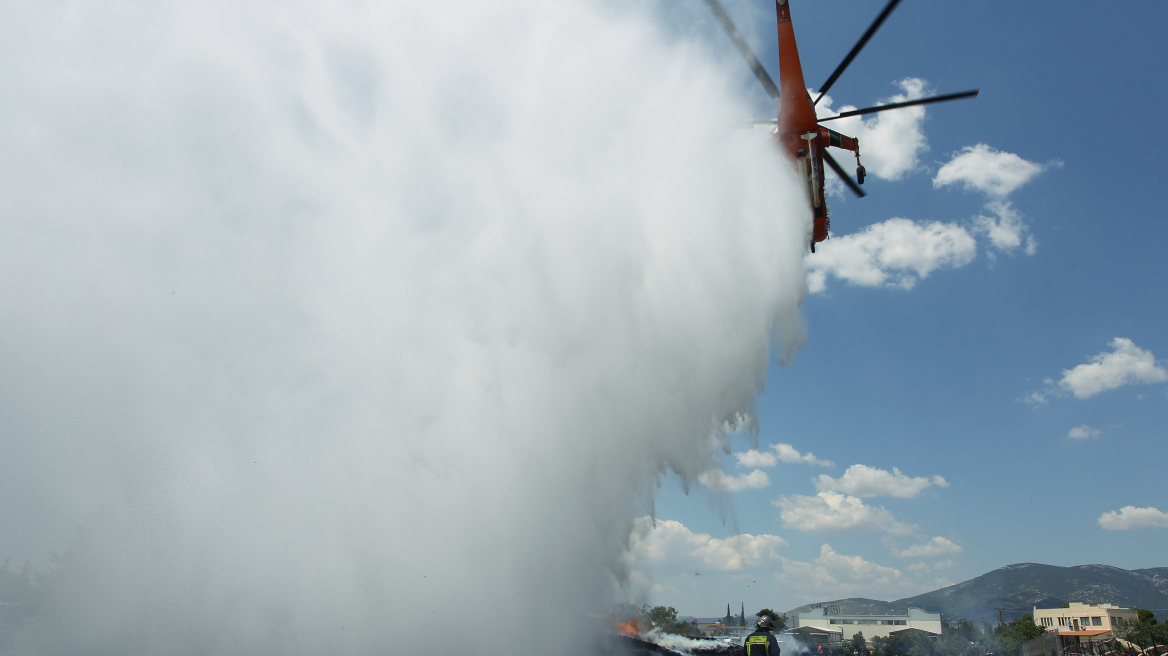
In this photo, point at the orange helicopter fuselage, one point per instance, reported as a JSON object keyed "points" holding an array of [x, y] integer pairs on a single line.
{"points": [[799, 133]]}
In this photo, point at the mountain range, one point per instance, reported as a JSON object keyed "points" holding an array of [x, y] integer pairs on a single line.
{"points": [[1017, 589]]}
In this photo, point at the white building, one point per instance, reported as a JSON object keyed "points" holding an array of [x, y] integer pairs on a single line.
{"points": [[1083, 619], [872, 626]]}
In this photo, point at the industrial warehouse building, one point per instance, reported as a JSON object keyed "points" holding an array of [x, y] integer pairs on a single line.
{"points": [[839, 627]]}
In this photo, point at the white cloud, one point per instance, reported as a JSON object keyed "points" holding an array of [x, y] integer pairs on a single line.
{"points": [[834, 512], [755, 458], [900, 252], [1083, 432], [995, 173], [924, 567], [718, 480], [670, 544], [1035, 399], [895, 253], [1125, 365], [865, 481], [780, 452], [892, 142], [1131, 517], [1005, 229], [985, 169], [852, 569], [833, 575], [938, 546]]}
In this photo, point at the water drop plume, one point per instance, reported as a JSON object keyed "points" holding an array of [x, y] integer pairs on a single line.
{"points": [[364, 327]]}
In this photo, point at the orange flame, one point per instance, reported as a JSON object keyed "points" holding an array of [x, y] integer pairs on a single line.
{"points": [[630, 629]]}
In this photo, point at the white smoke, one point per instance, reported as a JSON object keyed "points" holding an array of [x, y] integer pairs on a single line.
{"points": [[328, 323]]}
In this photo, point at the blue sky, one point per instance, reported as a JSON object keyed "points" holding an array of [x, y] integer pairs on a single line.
{"points": [[931, 381]]}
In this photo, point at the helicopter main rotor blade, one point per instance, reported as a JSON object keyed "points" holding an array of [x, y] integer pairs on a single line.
{"points": [[856, 49], [843, 176], [743, 47], [910, 103]]}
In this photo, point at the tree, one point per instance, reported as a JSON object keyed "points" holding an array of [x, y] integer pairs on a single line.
{"points": [[1017, 633], [963, 639], [662, 615], [665, 618], [780, 621], [852, 647], [1144, 631], [907, 643]]}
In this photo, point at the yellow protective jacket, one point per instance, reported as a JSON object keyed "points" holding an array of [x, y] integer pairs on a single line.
{"points": [[761, 643]]}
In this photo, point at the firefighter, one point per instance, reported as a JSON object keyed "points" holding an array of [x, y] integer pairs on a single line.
{"points": [[762, 642]]}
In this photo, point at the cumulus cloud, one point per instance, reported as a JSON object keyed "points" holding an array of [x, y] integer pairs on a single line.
{"points": [[865, 481], [1131, 517], [1005, 229], [895, 253], [832, 512], [987, 170], [718, 480], [756, 458], [833, 575], [849, 569], [780, 452], [1083, 432], [900, 252], [671, 544], [1127, 364], [938, 546], [996, 174], [892, 141]]}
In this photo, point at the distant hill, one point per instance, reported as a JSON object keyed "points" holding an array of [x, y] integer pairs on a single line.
{"points": [[1017, 589]]}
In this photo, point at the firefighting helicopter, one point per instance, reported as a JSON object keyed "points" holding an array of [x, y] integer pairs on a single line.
{"points": [[799, 132]]}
